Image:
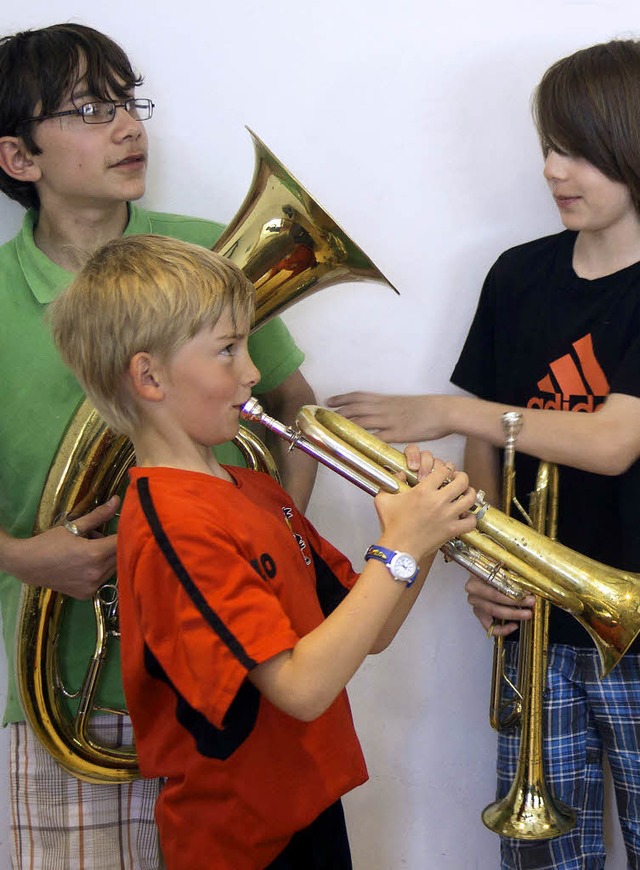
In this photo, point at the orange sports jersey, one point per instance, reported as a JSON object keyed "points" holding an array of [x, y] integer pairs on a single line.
{"points": [[215, 578]]}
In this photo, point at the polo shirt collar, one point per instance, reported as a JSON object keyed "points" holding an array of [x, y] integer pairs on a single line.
{"points": [[45, 278]]}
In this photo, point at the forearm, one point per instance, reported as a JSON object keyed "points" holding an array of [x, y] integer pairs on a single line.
{"points": [[59, 560], [15, 557], [7, 550], [305, 681], [297, 470], [606, 442], [403, 607]]}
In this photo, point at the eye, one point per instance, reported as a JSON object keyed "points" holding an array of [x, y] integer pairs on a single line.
{"points": [[559, 150], [98, 111], [229, 350]]}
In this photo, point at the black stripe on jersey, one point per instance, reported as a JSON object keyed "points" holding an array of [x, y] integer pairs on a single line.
{"points": [[198, 599], [329, 589], [210, 741]]}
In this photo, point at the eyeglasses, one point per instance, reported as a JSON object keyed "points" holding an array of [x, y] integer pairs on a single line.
{"points": [[103, 112]]}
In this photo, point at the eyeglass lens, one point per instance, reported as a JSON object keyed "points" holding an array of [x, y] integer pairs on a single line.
{"points": [[102, 113]]}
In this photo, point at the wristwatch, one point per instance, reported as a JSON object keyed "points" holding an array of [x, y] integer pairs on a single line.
{"points": [[402, 566]]}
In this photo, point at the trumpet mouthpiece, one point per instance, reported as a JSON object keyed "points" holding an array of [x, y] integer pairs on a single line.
{"points": [[252, 409]]}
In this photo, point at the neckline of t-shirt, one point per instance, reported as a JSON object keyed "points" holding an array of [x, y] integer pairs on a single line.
{"points": [[589, 283], [169, 471]]}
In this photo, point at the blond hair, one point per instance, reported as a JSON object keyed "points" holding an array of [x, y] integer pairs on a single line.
{"points": [[141, 293]]}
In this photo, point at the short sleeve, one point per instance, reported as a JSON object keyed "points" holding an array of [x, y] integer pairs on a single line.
{"points": [[275, 354], [627, 376], [215, 625], [475, 370]]}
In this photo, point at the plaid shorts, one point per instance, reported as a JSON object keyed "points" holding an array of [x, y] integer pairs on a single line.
{"points": [[61, 823], [584, 717]]}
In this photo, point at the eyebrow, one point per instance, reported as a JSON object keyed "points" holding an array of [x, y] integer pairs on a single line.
{"points": [[88, 95], [233, 336], [76, 97]]}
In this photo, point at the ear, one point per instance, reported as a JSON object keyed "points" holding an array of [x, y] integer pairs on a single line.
{"points": [[144, 377], [16, 160]]}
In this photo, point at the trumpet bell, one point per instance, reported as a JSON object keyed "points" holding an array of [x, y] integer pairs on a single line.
{"points": [[529, 812]]}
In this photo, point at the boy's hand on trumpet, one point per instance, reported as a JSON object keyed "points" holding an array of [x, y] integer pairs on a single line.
{"points": [[421, 519], [492, 607]]}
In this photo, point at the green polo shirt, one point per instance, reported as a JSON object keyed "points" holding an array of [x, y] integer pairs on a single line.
{"points": [[38, 396]]}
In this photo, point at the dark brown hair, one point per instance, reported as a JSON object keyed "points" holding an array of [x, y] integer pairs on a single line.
{"points": [[588, 105], [39, 69]]}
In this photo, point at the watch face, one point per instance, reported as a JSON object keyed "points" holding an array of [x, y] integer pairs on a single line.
{"points": [[403, 566]]}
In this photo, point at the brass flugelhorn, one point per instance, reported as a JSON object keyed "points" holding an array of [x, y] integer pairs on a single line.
{"points": [[515, 558], [289, 247], [501, 550]]}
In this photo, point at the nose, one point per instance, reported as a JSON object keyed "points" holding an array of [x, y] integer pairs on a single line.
{"points": [[252, 374], [125, 126], [555, 166]]}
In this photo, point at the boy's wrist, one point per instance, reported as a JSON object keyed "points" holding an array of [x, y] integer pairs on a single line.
{"points": [[8, 552], [452, 414], [401, 565]]}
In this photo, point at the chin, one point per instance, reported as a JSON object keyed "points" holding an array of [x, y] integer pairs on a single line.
{"points": [[137, 193], [575, 225], [229, 435]]}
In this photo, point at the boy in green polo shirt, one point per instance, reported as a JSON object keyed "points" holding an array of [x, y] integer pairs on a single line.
{"points": [[73, 152]]}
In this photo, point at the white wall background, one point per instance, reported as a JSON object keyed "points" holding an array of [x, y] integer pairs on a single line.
{"points": [[409, 121]]}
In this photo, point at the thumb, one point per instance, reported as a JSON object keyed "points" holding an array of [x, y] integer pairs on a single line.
{"points": [[98, 516]]}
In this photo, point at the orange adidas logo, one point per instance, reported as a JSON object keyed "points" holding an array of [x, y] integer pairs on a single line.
{"points": [[575, 382]]}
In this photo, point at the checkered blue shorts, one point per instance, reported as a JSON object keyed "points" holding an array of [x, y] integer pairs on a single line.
{"points": [[584, 717]]}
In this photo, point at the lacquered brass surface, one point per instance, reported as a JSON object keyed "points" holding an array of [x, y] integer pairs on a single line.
{"points": [[89, 467], [529, 811], [290, 248], [605, 600], [286, 243], [505, 714], [505, 553]]}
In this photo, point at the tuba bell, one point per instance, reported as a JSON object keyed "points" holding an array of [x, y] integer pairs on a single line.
{"points": [[289, 247]]}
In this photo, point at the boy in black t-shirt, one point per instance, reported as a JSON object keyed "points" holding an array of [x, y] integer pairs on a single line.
{"points": [[557, 331]]}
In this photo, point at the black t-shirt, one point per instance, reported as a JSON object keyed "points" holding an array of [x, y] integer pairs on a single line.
{"points": [[544, 338]]}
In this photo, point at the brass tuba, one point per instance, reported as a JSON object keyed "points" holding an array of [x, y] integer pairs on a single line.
{"points": [[289, 247]]}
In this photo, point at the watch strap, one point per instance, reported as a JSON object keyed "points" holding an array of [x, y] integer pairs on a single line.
{"points": [[387, 557]]}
